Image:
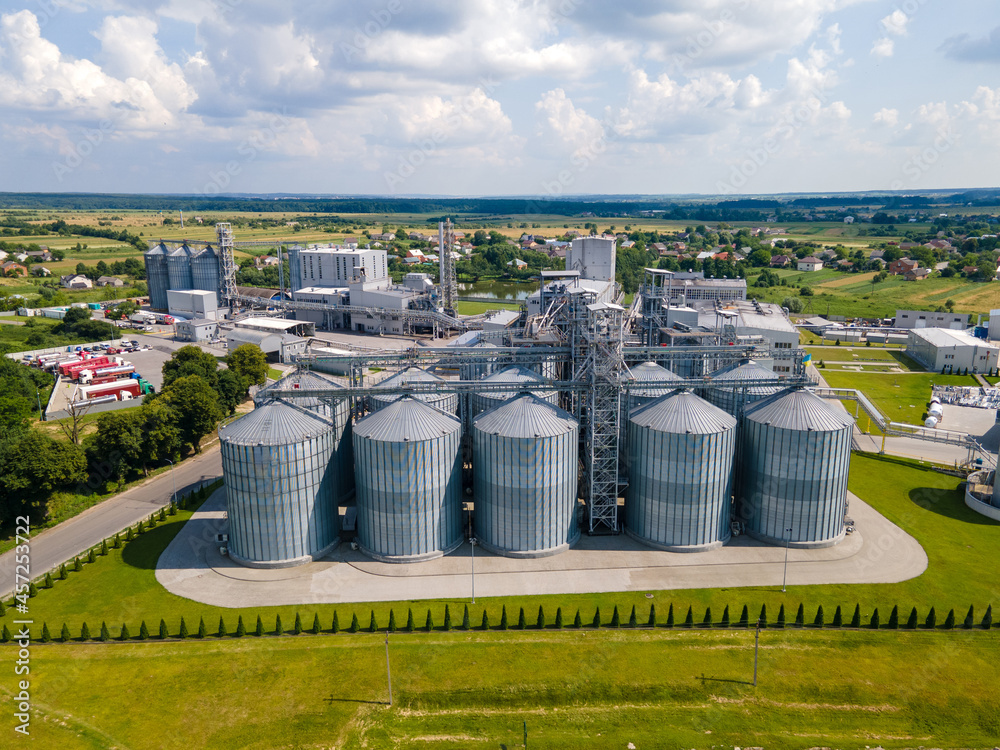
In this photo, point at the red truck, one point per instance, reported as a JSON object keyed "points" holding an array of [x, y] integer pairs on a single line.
{"points": [[71, 369]]}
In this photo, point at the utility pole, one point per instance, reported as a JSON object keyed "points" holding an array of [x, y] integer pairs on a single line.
{"points": [[756, 647], [388, 671]]}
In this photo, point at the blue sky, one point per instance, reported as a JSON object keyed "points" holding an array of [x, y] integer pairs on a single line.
{"points": [[496, 97]]}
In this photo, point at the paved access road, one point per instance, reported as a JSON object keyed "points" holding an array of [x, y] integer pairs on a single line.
{"points": [[60, 543]]}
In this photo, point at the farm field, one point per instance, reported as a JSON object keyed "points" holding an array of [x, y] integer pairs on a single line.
{"points": [[902, 397]]}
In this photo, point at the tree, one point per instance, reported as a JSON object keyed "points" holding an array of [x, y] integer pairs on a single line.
{"points": [[762, 618], [410, 625], [987, 622], [615, 618], [689, 619], [651, 622], [143, 631], [559, 618], [805, 292], [876, 622], [820, 620], [196, 407], [222, 632], [725, 617], [191, 360], [429, 623], [202, 630], [32, 467], [64, 634], [231, 391], [893, 623], [84, 633], [279, 630], [372, 623], [670, 617], [249, 364], [46, 636], [117, 446], [241, 629], [164, 633], [949, 621], [105, 633], [465, 618], [259, 630], [161, 436], [856, 618], [792, 304], [707, 622], [837, 618], [540, 622], [969, 619], [522, 621], [800, 616], [931, 622], [578, 620], [297, 627], [485, 625], [335, 627]]}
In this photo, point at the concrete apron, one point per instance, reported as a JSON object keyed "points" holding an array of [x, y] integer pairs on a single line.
{"points": [[192, 567]]}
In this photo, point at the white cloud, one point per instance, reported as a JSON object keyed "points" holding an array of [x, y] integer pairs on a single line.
{"points": [[887, 117], [895, 23], [566, 126], [883, 47]]}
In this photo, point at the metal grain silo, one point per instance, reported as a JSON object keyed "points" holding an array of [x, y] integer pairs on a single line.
{"points": [[732, 389], [680, 479], [525, 457], [515, 374], [280, 480], [649, 381], [205, 272], [337, 410], [409, 482], [481, 368], [444, 401], [794, 462], [179, 268], [156, 275]]}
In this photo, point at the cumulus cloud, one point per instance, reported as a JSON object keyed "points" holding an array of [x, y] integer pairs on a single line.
{"points": [[883, 47], [895, 23], [887, 117], [567, 126]]}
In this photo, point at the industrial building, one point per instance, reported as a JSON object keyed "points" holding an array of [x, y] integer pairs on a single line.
{"points": [[193, 304], [924, 319], [181, 267], [280, 347], [944, 350], [334, 266], [197, 330]]}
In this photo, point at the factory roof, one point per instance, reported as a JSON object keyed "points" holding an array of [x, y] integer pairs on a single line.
{"points": [[525, 416], [247, 336], [945, 337], [682, 412], [275, 423], [798, 409], [747, 314], [406, 420], [198, 323], [269, 324], [503, 317]]}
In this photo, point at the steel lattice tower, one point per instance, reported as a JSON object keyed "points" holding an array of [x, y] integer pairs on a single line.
{"points": [[224, 233], [449, 281]]}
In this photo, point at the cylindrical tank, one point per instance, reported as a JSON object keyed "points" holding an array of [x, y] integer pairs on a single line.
{"points": [[156, 276], [935, 409], [518, 374], [444, 401], [205, 270], [280, 479], [650, 381], [680, 481], [481, 369], [409, 482], [525, 456], [336, 410], [931, 422], [794, 460], [731, 388], [179, 268]]}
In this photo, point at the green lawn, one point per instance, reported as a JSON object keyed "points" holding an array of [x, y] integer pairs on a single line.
{"points": [[900, 397], [570, 689], [477, 308]]}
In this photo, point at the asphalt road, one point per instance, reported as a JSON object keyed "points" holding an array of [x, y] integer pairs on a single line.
{"points": [[61, 543]]}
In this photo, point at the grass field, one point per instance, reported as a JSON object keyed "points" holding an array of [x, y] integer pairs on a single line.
{"points": [[478, 308], [871, 358], [568, 689], [901, 397]]}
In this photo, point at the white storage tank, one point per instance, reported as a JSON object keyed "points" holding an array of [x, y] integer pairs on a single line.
{"points": [[649, 381], [444, 401], [515, 374], [525, 458], [795, 459], [409, 484], [679, 495], [280, 478]]}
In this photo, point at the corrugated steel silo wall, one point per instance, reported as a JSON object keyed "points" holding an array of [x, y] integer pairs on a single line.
{"points": [[179, 271], [338, 410], [793, 479], [280, 499], [679, 487], [525, 491], [205, 271], [156, 280], [409, 496], [731, 400]]}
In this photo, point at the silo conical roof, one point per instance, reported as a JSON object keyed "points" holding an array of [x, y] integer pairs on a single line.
{"points": [[515, 374], [299, 380], [158, 249], [652, 374], [683, 412], [798, 409], [748, 370], [274, 423], [406, 420], [525, 416]]}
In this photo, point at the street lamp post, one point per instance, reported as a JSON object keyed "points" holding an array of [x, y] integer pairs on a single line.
{"points": [[784, 575], [172, 480], [472, 543]]}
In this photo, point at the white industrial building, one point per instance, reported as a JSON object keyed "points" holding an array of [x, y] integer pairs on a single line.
{"points": [[590, 267], [277, 325], [751, 320], [192, 304], [198, 329], [940, 349], [331, 265], [277, 345], [593, 257], [922, 319]]}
